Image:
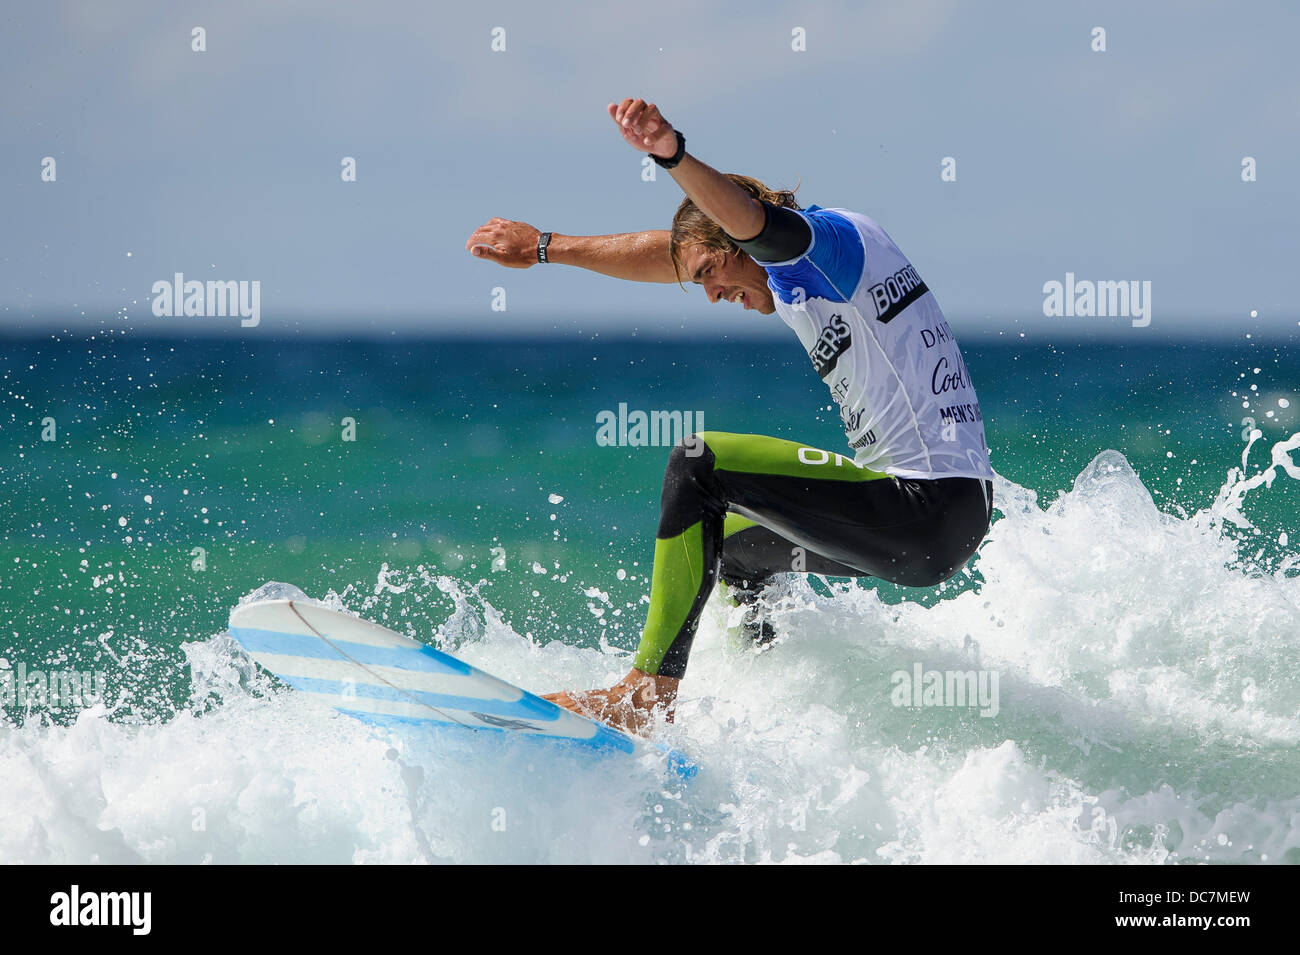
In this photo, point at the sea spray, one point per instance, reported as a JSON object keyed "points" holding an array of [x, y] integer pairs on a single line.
{"points": [[1148, 699]]}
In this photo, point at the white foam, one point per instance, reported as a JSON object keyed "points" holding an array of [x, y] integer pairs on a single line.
{"points": [[1149, 685]]}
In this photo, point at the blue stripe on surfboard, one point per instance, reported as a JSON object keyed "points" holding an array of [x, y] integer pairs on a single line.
{"points": [[423, 659], [529, 707], [605, 738], [428, 660]]}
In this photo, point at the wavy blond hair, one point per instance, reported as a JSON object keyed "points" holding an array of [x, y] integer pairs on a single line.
{"points": [[693, 227]]}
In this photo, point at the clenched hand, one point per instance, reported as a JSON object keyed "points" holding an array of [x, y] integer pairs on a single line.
{"points": [[508, 243]]}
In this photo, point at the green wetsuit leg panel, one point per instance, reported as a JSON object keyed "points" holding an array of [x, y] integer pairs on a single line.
{"points": [[721, 485]]}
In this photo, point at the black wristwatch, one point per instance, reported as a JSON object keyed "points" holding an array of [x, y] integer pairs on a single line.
{"points": [[676, 157], [543, 241]]}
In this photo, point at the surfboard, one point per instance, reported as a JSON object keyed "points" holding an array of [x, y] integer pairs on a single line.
{"points": [[387, 679]]}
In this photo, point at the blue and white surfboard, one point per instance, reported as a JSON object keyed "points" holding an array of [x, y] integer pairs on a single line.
{"points": [[385, 678]]}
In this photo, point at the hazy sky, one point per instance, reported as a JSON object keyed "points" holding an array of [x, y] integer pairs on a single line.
{"points": [[225, 164]]}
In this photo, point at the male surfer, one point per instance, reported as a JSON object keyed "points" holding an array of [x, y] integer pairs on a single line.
{"points": [[909, 503]]}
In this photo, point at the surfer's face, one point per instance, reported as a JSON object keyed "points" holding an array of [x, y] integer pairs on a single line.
{"points": [[733, 278]]}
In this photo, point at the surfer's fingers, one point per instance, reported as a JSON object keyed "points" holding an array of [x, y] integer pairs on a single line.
{"points": [[492, 229], [632, 116], [620, 111], [480, 236]]}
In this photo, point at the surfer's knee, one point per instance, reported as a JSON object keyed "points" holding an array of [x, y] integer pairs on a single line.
{"points": [[694, 445], [691, 457], [688, 486]]}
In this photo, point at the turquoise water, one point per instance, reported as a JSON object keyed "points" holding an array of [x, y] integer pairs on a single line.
{"points": [[475, 508]]}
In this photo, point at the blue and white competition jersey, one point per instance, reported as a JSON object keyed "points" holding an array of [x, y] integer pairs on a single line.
{"points": [[876, 336]]}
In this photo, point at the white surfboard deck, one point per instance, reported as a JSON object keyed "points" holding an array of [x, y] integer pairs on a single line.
{"points": [[387, 679]]}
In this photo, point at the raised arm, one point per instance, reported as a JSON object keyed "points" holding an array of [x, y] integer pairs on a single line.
{"points": [[644, 128], [635, 256]]}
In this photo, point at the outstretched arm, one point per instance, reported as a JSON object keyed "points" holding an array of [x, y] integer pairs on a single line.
{"points": [[635, 256], [738, 213]]}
